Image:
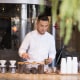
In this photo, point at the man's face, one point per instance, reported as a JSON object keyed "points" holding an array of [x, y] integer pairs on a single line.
{"points": [[42, 26]]}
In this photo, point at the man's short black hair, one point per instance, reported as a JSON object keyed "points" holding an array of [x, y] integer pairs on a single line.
{"points": [[43, 17]]}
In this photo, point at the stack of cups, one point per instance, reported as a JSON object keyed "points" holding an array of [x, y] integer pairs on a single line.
{"points": [[74, 65], [69, 65], [63, 66]]}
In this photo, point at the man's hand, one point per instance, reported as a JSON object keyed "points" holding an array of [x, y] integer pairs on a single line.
{"points": [[25, 56], [48, 61]]}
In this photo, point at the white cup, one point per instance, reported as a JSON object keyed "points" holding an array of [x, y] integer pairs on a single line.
{"points": [[74, 65], [63, 66], [69, 65]]}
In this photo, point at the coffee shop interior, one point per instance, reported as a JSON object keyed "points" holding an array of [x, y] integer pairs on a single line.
{"points": [[12, 17], [15, 15]]}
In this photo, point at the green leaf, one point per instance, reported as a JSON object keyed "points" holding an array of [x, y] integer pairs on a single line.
{"points": [[54, 9], [68, 31], [42, 7], [62, 28]]}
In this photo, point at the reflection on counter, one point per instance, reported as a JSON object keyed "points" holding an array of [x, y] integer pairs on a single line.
{"points": [[17, 76]]}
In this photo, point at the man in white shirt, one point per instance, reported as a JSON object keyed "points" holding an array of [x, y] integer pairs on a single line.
{"points": [[38, 44]]}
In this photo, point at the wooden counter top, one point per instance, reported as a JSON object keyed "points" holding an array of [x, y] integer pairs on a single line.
{"points": [[17, 76]]}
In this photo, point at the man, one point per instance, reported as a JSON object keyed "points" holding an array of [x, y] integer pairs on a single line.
{"points": [[38, 44]]}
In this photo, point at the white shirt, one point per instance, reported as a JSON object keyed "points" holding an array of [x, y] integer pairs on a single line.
{"points": [[38, 46]]}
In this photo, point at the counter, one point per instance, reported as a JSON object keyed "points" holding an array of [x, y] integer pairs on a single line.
{"points": [[52, 76]]}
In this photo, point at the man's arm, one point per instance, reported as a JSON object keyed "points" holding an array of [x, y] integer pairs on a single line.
{"points": [[52, 51], [24, 47]]}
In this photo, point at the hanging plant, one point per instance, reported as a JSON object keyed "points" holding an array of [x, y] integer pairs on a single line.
{"points": [[69, 15]]}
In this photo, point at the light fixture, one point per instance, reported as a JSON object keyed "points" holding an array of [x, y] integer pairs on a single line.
{"points": [[18, 9], [3, 9]]}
